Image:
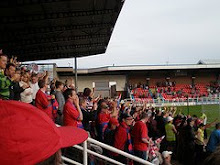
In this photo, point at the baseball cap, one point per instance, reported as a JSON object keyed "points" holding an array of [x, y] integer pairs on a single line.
{"points": [[29, 136], [169, 118], [165, 154]]}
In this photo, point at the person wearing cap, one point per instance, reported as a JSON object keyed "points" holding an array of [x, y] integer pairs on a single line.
{"points": [[166, 157], [42, 101], [170, 134], [72, 114], [32, 137], [122, 139]]}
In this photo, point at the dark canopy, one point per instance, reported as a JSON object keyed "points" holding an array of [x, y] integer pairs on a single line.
{"points": [[51, 29]]}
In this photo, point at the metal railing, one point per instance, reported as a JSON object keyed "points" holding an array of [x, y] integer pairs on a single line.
{"points": [[87, 151], [177, 101]]}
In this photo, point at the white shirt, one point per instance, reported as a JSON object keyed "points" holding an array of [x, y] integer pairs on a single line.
{"points": [[26, 95], [35, 88]]}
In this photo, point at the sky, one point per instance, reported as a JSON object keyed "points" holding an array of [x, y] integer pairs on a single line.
{"points": [[160, 32]]}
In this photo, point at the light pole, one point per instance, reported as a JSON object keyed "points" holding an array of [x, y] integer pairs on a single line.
{"points": [[187, 104]]}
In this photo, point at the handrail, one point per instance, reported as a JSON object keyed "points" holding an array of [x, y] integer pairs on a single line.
{"points": [[110, 148], [99, 155], [70, 160], [113, 149]]}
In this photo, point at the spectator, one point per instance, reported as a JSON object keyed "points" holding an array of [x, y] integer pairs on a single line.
{"points": [[72, 113], [189, 143], [160, 123], [32, 138], [10, 70], [199, 144], [204, 118], [166, 157], [26, 95], [110, 131], [88, 95], [140, 137], [122, 139], [88, 116], [15, 88], [170, 134], [61, 101], [34, 86], [4, 81], [11, 76], [103, 119], [214, 139], [42, 101], [152, 127]]}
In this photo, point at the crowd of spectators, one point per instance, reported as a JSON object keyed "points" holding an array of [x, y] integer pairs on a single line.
{"points": [[174, 91], [149, 133]]}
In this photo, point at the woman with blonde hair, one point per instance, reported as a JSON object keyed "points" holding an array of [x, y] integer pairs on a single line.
{"points": [[26, 95]]}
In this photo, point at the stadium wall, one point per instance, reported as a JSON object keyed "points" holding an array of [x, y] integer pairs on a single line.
{"points": [[87, 81]]}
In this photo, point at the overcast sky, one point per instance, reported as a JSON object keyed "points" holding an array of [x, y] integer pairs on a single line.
{"points": [[155, 32]]}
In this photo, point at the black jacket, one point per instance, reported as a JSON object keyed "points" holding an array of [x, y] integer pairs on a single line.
{"points": [[15, 91], [87, 117]]}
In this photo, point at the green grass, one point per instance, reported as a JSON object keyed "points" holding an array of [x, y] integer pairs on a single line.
{"points": [[212, 112]]}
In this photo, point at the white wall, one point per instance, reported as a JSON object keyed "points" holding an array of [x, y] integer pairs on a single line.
{"points": [[86, 81]]}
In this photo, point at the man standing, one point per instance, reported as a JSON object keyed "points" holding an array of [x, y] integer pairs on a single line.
{"points": [[34, 85], [61, 101], [72, 114], [14, 77], [4, 82], [140, 136], [122, 140], [170, 134], [42, 101], [88, 116], [214, 139]]}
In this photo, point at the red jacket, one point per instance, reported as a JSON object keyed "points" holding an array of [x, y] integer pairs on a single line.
{"points": [[70, 114], [121, 138], [44, 104]]}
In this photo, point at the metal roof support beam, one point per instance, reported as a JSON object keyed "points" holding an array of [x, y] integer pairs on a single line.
{"points": [[76, 85]]}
